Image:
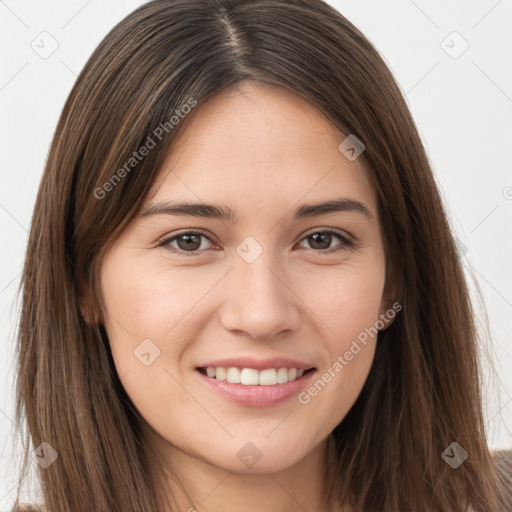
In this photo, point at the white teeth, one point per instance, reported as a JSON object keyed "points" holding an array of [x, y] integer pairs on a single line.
{"points": [[233, 375], [252, 377], [268, 377], [249, 377], [282, 375]]}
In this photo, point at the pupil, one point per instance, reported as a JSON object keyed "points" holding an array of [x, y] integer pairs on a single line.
{"points": [[321, 235], [192, 242], [189, 241]]}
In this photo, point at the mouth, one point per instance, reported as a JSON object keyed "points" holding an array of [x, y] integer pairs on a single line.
{"points": [[254, 377], [249, 387]]}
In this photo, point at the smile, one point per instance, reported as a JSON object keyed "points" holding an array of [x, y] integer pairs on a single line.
{"points": [[255, 388], [253, 377]]}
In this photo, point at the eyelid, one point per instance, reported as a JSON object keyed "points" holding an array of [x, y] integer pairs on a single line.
{"points": [[191, 231], [347, 240], [339, 232], [198, 231]]}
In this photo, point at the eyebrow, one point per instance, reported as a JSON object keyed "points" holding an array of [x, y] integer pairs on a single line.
{"points": [[225, 213]]}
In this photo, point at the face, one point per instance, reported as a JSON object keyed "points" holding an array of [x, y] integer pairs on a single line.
{"points": [[275, 291]]}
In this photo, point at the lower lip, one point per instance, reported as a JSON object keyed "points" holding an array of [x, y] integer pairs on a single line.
{"points": [[257, 396]]}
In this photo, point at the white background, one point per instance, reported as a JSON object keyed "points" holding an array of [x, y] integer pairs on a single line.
{"points": [[462, 106]]}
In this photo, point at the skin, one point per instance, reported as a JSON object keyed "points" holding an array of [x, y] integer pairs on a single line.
{"points": [[263, 151]]}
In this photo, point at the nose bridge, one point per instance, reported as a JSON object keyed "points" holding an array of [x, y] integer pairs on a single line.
{"points": [[259, 282], [260, 302], [255, 267]]}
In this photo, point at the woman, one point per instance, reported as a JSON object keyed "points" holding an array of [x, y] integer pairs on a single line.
{"points": [[188, 338]]}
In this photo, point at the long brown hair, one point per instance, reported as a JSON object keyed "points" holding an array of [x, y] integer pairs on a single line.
{"points": [[424, 389]]}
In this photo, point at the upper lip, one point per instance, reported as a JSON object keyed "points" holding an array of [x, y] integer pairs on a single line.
{"points": [[258, 364]]}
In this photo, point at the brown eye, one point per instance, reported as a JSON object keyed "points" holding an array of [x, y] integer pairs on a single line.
{"points": [[321, 241], [188, 243]]}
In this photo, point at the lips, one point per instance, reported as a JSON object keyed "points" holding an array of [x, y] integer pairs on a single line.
{"points": [[256, 382]]}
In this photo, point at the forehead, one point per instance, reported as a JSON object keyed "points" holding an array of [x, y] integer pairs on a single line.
{"points": [[259, 146]]}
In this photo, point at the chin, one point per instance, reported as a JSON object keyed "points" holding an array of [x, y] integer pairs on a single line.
{"points": [[260, 456]]}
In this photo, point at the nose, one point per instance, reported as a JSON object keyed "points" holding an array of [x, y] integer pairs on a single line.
{"points": [[261, 302]]}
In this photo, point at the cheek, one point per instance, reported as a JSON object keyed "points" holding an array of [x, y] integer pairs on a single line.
{"points": [[172, 306], [150, 320], [150, 301], [346, 300], [153, 316], [348, 304]]}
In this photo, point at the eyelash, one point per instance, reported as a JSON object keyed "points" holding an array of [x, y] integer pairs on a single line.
{"points": [[346, 243]]}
